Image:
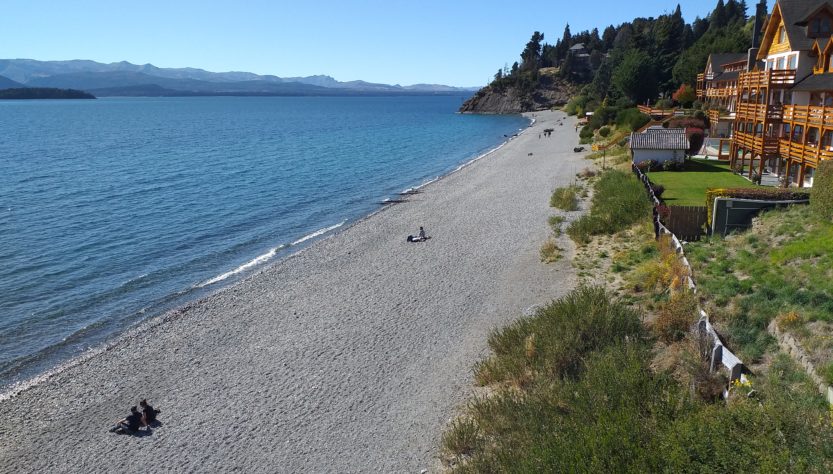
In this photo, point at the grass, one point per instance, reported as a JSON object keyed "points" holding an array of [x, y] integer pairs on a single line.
{"points": [[566, 198], [574, 391], [618, 202], [782, 268], [555, 223], [688, 188], [550, 251]]}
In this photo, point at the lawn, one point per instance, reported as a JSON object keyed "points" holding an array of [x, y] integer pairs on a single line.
{"points": [[688, 188]]}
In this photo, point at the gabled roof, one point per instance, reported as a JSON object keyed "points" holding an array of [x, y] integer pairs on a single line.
{"points": [[660, 139], [577, 47], [794, 14]]}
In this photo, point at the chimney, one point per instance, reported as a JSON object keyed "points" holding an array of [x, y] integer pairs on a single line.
{"points": [[760, 17]]}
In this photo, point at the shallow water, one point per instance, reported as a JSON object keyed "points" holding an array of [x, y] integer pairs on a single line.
{"points": [[114, 210]]}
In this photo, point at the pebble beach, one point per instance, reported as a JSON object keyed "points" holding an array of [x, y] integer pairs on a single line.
{"points": [[350, 356]]}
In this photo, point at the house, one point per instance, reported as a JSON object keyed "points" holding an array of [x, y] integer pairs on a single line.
{"points": [[783, 126], [659, 144]]}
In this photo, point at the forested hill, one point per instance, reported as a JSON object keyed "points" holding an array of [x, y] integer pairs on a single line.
{"points": [[43, 93], [631, 63]]}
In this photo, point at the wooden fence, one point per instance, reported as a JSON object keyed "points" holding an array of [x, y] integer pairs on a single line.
{"points": [[686, 222]]}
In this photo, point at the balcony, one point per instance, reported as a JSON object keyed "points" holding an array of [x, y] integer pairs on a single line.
{"points": [[764, 146], [810, 115], [777, 78], [648, 110], [759, 112], [804, 152]]}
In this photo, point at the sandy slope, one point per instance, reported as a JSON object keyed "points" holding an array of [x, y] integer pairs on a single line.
{"points": [[350, 356]]}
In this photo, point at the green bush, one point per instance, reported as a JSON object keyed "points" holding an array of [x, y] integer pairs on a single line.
{"points": [[676, 316], [565, 198], [822, 199], [586, 132], [631, 118], [556, 339], [618, 202], [604, 132]]}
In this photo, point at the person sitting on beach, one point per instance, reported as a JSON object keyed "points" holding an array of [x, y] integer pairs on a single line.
{"points": [[130, 424], [148, 413], [421, 237]]}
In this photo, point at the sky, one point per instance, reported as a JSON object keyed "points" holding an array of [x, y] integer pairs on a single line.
{"points": [[452, 42]]}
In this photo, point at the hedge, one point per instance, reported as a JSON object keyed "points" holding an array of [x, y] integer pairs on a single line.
{"points": [[822, 201], [764, 194]]}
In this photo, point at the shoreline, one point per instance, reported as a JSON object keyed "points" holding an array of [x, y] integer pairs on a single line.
{"points": [[249, 268], [253, 302]]}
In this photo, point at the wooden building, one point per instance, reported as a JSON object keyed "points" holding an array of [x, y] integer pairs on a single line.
{"points": [[784, 107]]}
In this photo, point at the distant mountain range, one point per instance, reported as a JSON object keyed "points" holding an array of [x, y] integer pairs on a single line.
{"points": [[127, 79]]}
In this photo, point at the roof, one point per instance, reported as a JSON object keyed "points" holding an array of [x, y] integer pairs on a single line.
{"points": [[727, 76], [795, 13], [815, 82], [665, 139], [718, 60], [577, 47]]}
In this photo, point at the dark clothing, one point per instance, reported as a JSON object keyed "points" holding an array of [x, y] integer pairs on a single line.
{"points": [[133, 421], [149, 414]]}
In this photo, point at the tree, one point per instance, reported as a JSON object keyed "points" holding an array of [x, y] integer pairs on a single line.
{"points": [[719, 16], [685, 95], [608, 36], [531, 55], [635, 76]]}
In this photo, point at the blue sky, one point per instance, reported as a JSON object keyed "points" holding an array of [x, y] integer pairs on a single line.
{"points": [[460, 43]]}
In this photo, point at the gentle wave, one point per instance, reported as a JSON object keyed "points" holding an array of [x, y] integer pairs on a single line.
{"points": [[251, 263], [318, 232], [261, 259]]}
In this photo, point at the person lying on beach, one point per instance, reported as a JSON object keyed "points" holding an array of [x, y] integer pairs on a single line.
{"points": [[148, 413], [421, 237], [130, 424]]}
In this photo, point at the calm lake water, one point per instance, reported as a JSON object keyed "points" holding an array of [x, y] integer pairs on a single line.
{"points": [[114, 210]]}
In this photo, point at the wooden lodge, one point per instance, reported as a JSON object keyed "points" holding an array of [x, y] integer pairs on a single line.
{"points": [[783, 123]]}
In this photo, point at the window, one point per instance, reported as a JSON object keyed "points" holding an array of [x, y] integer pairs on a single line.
{"points": [[759, 129], [770, 64], [798, 133], [782, 34], [792, 61], [779, 63], [828, 99], [813, 136], [749, 126], [786, 133], [820, 27], [815, 99], [788, 97], [827, 140]]}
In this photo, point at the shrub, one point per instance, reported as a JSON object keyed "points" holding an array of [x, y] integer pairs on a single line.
{"points": [[604, 132], [658, 190], [563, 333], [671, 165], [631, 119], [586, 132], [555, 222], [565, 198], [664, 104], [676, 316], [822, 199], [827, 373], [550, 252]]}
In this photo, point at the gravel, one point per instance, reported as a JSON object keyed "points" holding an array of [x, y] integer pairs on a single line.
{"points": [[351, 355]]}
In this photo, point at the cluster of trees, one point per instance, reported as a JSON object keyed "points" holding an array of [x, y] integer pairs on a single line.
{"points": [[636, 61]]}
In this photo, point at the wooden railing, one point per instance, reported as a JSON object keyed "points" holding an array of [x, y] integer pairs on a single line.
{"points": [[809, 115], [800, 151], [721, 92], [771, 78], [761, 145], [648, 110], [714, 116], [773, 113]]}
